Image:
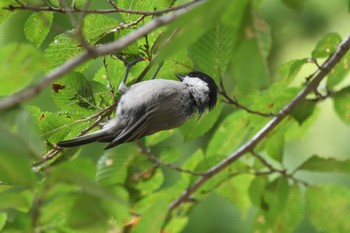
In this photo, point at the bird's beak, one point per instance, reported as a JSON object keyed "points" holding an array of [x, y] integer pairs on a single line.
{"points": [[180, 76]]}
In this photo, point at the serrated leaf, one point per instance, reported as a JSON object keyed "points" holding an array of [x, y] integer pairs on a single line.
{"points": [[52, 126], [20, 64], [37, 27], [60, 50], [327, 45], [213, 51], [195, 128], [333, 214], [94, 33], [341, 101], [246, 57], [275, 146], [193, 25], [112, 168], [287, 216], [74, 92], [339, 72], [229, 135], [289, 70], [316, 163]]}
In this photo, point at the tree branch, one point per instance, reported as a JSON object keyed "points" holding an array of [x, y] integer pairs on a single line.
{"points": [[102, 50], [115, 9], [259, 136]]}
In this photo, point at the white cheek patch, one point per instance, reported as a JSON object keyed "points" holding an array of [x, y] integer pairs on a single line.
{"points": [[198, 88]]}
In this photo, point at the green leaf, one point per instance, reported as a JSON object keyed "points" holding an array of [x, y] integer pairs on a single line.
{"points": [[246, 57], [289, 70], [339, 72], [37, 27], [275, 146], [195, 128], [60, 50], [5, 14], [193, 25], [286, 217], [327, 45], [328, 208], [213, 51], [257, 189], [151, 184], [236, 190], [20, 64], [94, 33], [55, 127], [341, 101], [112, 167], [316, 163], [74, 92], [303, 110], [115, 71], [16, 199], [152, 219], [3, 218], [263, 35], [229, 135], [295, 4]]}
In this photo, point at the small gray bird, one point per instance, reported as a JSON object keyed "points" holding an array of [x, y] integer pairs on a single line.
{"points": [[151, 106]]}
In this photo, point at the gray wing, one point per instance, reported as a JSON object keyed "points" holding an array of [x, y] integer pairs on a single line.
{"points": [[165, 113]]}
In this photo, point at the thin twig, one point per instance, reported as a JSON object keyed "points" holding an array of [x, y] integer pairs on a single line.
{"points": [[108, 48], [147, 151], [99, 11], [272, 169], [264, 131], [233, 101]]}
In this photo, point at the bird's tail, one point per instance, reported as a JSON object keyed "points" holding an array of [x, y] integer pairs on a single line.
{"points": [[85, 139]]}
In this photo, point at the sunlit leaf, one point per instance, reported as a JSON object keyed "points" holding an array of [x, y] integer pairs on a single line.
{"points": [[275, 146], [236, 190], [318, 164], [339, 72], [60, 50], [92, 32], [38, 26], [20, 64], [327, 45], [325, 205], [229, 134], [112, 167], [342, 104], [74, 92], [289, 70]]}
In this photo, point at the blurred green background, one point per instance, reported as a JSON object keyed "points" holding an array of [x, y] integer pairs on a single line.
{"points": [[295, 33]]}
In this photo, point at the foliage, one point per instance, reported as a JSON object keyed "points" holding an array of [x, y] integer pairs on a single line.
{"points": [[126, 189]]}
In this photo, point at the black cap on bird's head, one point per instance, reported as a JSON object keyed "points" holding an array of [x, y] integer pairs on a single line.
{"points": [[213, 89]]}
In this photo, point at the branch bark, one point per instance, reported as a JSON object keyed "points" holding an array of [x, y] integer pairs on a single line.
{"points": [[98, 11], [259, 136], [103, 50]]}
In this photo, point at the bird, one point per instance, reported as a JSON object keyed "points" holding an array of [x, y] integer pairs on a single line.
{"points": [[151, 106]]}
